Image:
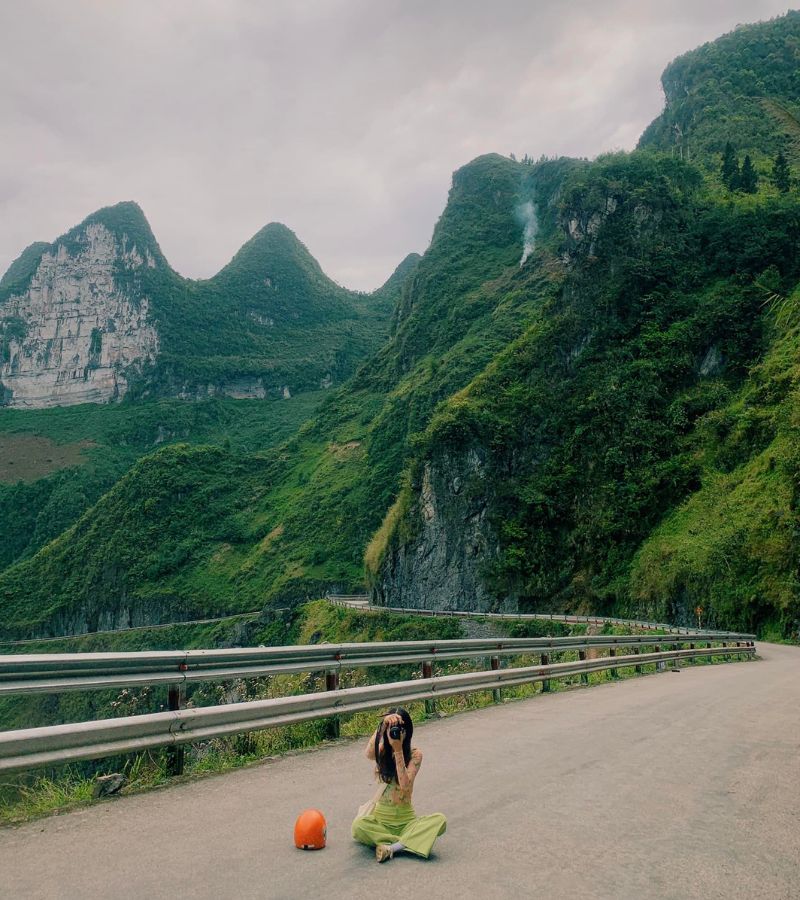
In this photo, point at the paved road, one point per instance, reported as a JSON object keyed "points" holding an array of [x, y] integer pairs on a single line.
{"points": [[670, 786]]}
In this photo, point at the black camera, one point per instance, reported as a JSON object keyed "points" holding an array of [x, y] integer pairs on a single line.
{"points": [[396, 732]]}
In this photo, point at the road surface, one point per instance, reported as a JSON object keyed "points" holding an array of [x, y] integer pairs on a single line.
{"points": [[669, 786]]}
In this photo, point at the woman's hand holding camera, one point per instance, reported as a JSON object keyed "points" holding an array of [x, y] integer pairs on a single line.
{"points": [[393, 729]]}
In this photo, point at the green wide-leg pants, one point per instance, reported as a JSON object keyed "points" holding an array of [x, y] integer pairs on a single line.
{"points": [[389, 823]]}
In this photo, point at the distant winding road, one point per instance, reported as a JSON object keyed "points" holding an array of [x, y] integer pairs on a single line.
{"points": [[669, 786]]}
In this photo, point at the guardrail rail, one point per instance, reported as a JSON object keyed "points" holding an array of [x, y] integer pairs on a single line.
{"points": [[361, 603], [51, 745]]}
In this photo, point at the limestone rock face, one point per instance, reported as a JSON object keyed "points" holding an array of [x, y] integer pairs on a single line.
{"points": [[441, 567], [76, 334], [238, 389], [712, 363]]}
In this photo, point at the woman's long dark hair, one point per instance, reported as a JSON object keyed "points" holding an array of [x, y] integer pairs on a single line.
{"points": [[384, 758]]}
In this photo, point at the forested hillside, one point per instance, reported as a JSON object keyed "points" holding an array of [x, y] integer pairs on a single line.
{"points": [[270, 325], [716, 94], [56, 463], [606, 423], [641, 389]]}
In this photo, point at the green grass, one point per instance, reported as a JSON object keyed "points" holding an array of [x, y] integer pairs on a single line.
{"points": [[29, 457]]}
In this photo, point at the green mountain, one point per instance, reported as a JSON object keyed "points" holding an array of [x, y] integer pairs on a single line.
{"points": [[587, 401], [637, 449], [271, 314], [50, 495], [600, 460], [715, 94], [100, 314]]}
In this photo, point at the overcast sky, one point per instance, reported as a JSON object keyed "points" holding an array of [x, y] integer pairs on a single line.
{"points": [[344, 119]]}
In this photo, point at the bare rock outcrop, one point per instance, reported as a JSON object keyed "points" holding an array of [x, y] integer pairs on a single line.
{"points": [[75, 335], [442, 567]]}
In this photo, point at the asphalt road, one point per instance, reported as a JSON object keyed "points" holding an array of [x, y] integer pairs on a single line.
{"points": [[669, 786]]}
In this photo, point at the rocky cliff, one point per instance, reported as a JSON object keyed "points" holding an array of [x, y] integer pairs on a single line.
{"points": [[454, 541], [74, 335]]}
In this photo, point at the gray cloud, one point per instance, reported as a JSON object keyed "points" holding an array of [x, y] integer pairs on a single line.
{"points": [[341, 118]]}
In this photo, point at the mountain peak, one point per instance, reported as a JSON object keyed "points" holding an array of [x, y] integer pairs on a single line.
{"points": [[486, 161], [123, 208], [715, 93], [274, 249], [480, 206], [126, 214], [276, 237], [125, 218], [276, 228]]}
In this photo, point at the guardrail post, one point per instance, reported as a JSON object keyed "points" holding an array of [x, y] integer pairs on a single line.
{"points": [[638, 668], [427, 672], [613, 673], [333, 724], [584, 675], [495, 664], [546, 682], [692, 660], [176, 755], [660, 665]]}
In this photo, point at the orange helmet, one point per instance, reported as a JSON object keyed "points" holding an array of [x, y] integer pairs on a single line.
{"points": [[310, 830]]}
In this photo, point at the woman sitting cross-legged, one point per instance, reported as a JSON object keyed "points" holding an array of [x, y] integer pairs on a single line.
{"points": [[390, 824]]}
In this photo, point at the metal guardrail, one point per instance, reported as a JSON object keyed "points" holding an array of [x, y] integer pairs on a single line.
{"points": [[361, 602], [55, 672], [29, 748]]}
